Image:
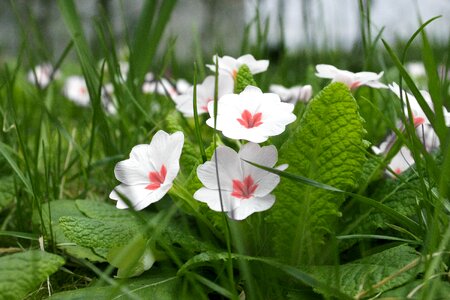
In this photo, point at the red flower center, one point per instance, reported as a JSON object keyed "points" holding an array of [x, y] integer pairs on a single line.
{"points": [[244, 189], [354, 85], [418, 121], [156, 179], [249, 121]]}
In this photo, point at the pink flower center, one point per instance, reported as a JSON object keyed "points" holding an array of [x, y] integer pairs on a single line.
{"points": [[249, 121], [83, 90], [397, 171], [244, 189], [156, 179], [204, 108], [418, 121], [354, 85]]}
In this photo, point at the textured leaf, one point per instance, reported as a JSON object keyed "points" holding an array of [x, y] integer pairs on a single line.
{"points": [[358, 277], [243, 78], [95, 209], [21, 273], [6, 191], [94, 233], [326, 147], [156, 286], [401, 197], [58, 209]]}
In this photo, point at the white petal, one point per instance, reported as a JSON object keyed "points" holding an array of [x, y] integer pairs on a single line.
{"points": [[131, 172], [138, 195], [229, 168], [252, 205], [212, 199], [255, 66], [326, 71]]}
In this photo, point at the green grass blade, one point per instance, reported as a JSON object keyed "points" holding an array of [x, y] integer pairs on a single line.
{"points": [[196, 119]]}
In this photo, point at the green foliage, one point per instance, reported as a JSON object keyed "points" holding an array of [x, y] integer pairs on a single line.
{"points": [[21, 273], [6, 191], [243, 78], [161, 285], [373, 274], [55, 233], [326, 147]]}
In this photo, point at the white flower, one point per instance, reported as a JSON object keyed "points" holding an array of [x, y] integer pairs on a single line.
{"points": [[75, 89], [230, 65], [252, 115], [149, 172], [401, 161], [352, 80], [293, 94], [205, 94], [182, 85], [417, 111], [244, 189], [416, 69], [42, 75], [160, 87]]}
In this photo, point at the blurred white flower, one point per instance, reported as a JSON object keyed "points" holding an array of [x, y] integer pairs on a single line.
{"points": [[292, 94], [108, 101], [251, 115], [416, 69], [42, 75], [230, 65], [205, 94], [149, 172], [416, 110], [159, 87], [244, 189], [352, 80], [75, 89]]}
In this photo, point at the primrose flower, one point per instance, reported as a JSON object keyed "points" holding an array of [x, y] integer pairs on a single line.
{"points": [[162, 87], [205, 94], [401, 161], [75, 89], [149, 172], [352, 80], [417, 112], [244, 188], [230, 65], [293, 94], [251, 115], [42, 74]]}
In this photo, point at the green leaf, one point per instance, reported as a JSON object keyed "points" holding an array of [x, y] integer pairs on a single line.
{"points": [[132, 259], [21, 273], [325, 147], [95, 209], [209, 258], [6, 191], [373, 274], [58, 209], [161, 285], [243, 78], [415, 290], [95, 233]]}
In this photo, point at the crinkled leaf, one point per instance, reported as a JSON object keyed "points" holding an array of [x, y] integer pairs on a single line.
{"points": [[153, 286], [6, 191], [58, 209], [401, 197], [243, 78], [365, 277], [95, 209], [21, 273], [326, 147], [95, 233]]}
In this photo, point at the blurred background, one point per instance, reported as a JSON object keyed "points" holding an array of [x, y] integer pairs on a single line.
{"points": [[294, 24]]}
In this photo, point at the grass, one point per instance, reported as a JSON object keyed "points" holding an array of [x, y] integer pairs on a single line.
{"points": [[51, 149]]}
